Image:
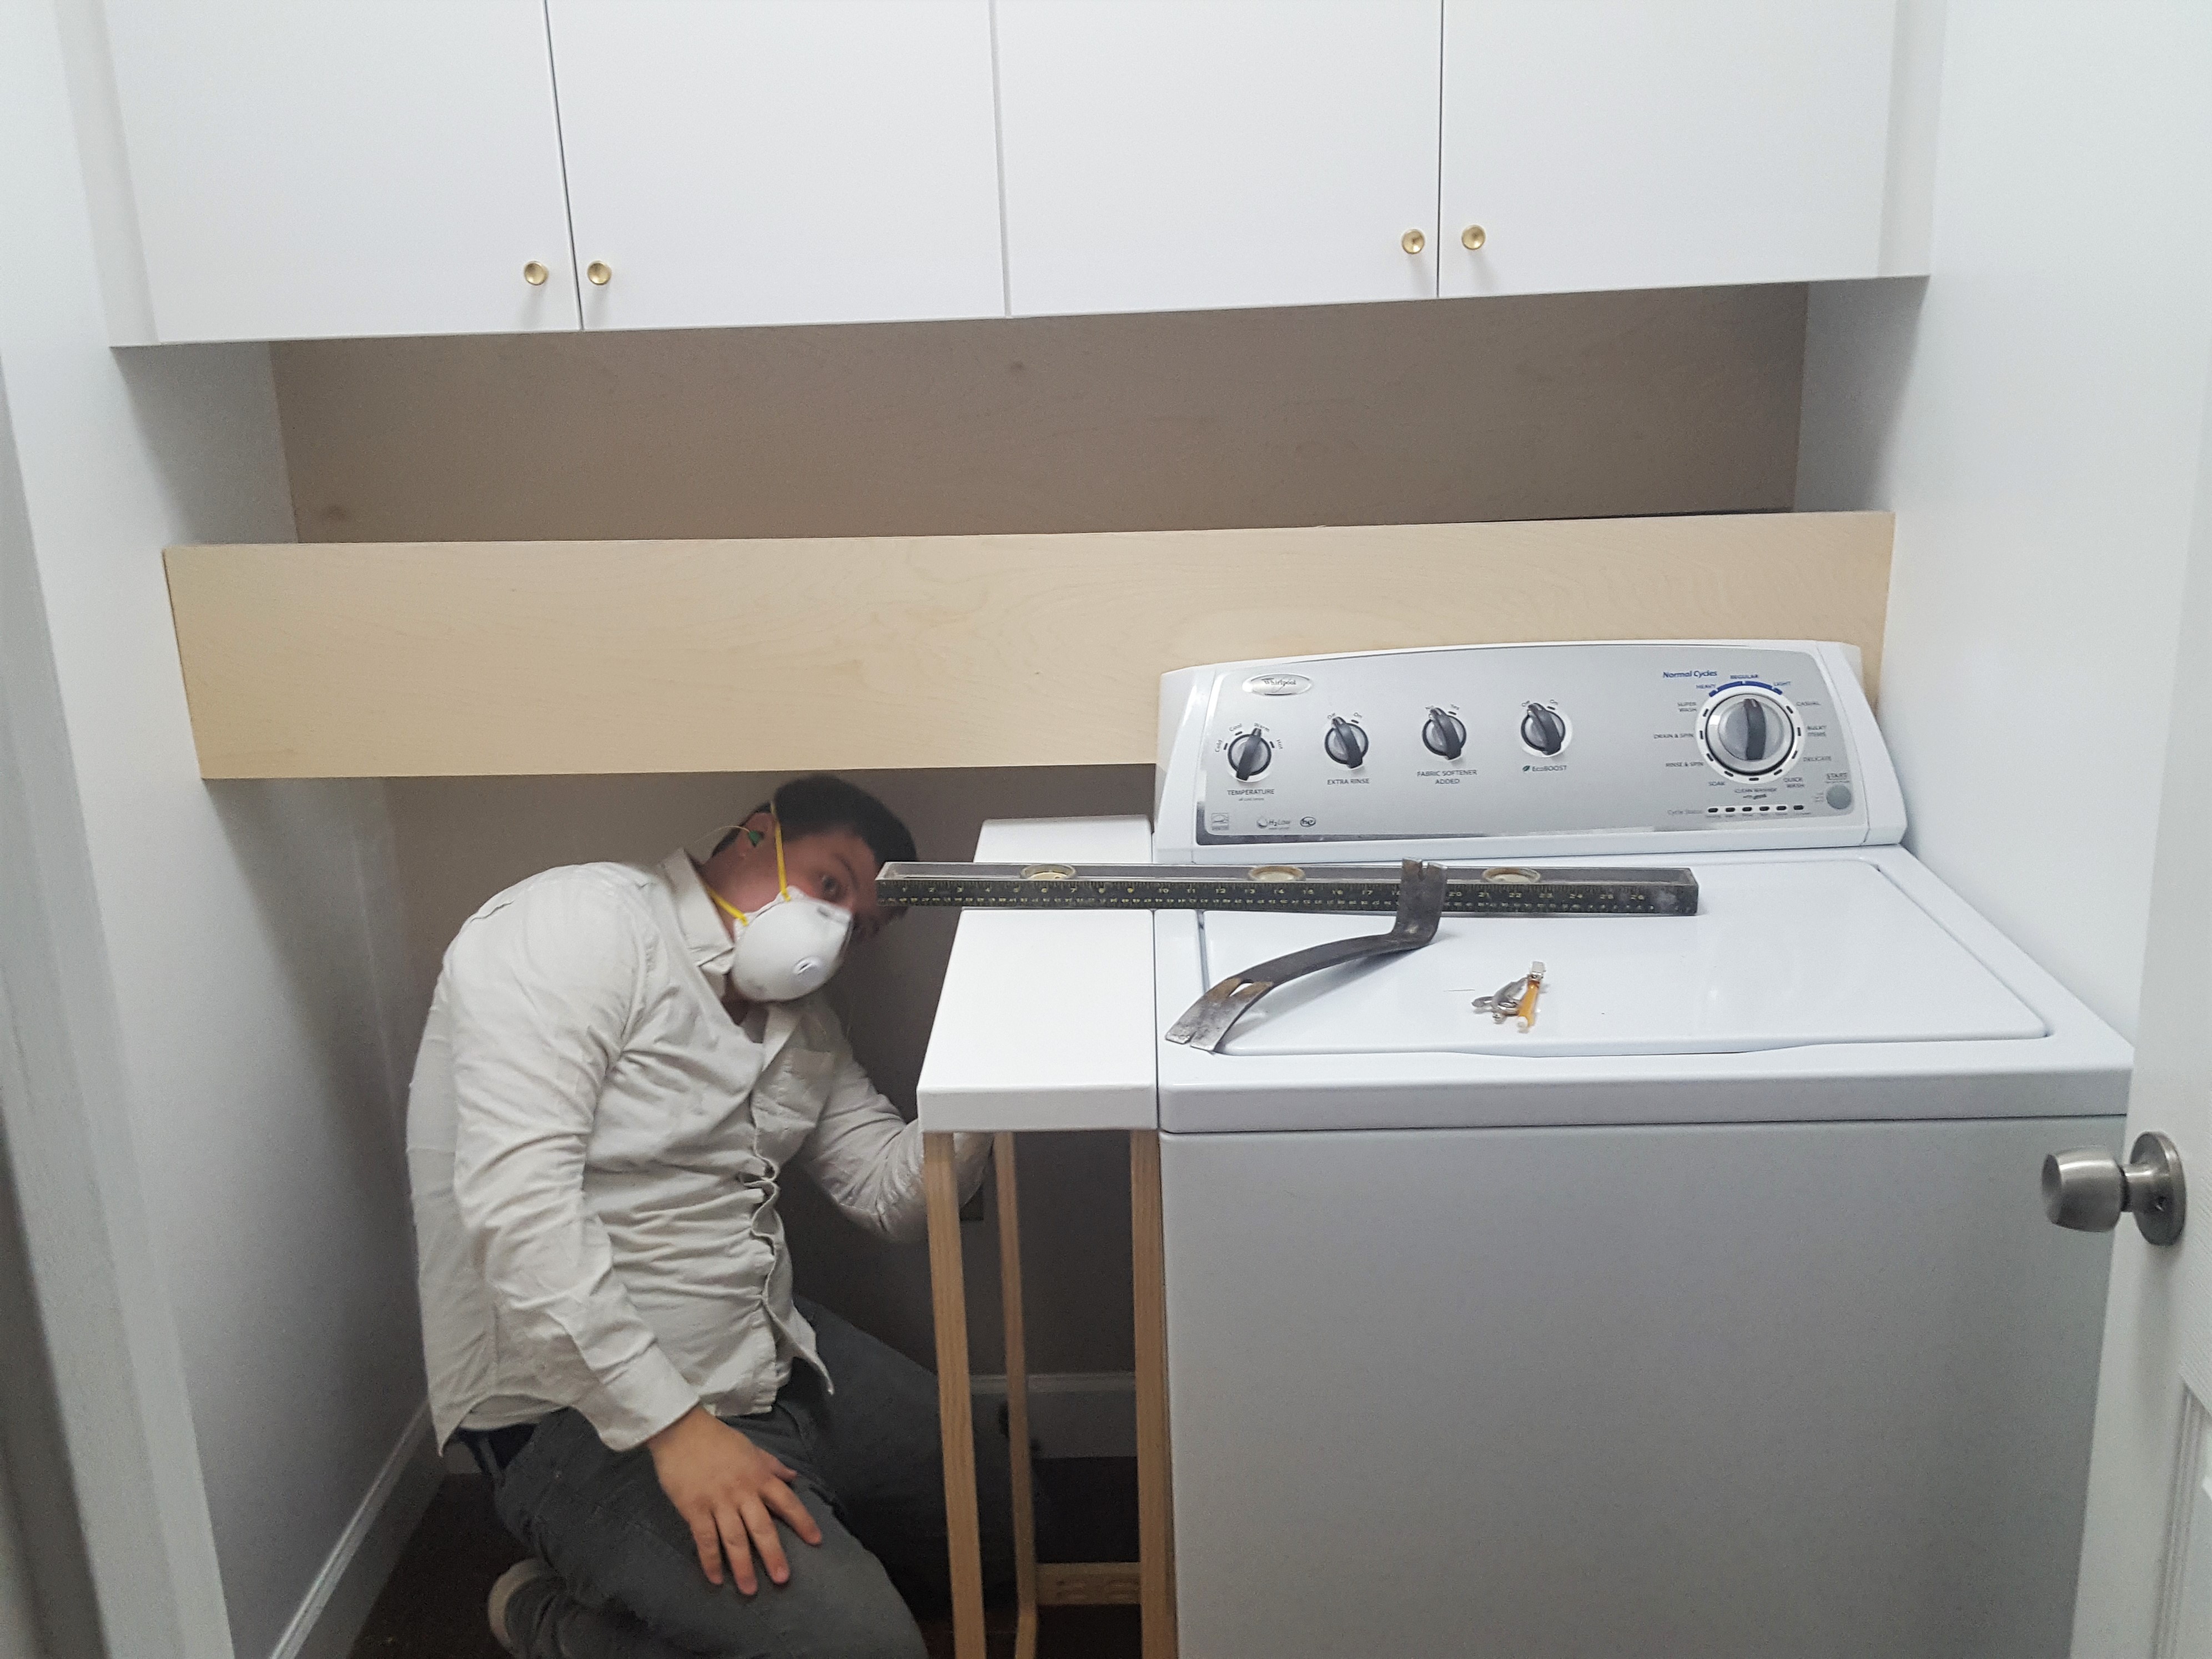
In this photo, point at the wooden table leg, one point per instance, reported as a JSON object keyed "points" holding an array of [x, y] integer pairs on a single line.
{"points": [[1017, 1399], [1085, 1582], [949, 1303], [1155, 1501]]}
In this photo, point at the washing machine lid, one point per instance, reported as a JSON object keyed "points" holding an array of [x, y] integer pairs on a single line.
{"points": [[1781, 954]]}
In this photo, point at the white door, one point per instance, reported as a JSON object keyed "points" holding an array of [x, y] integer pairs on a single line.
{"points": [[779, 161], [2146, 1582], [1180, 154], [305, 170], [1655, 144]]}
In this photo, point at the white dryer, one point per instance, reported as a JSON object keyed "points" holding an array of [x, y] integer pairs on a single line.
{"points": [[1713, 1313]]}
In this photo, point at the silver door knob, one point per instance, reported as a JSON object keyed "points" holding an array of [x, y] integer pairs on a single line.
{"points": [[2090, 1190]]}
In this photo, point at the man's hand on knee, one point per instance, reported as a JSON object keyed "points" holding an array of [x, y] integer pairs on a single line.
{"points": [[729, 1492]]}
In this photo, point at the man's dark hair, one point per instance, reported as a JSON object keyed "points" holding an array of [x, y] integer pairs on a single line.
{"points": [[811, 806]]}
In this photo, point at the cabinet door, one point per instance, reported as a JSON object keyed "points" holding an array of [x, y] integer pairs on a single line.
{"points": [[1655, 144], [343, 168], [1168, 155], [779, 161]]}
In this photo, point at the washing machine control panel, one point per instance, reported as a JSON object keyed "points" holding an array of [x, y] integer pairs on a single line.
{"points": [[1524, 741]]}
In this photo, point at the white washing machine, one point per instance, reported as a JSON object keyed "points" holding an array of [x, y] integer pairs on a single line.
{"points": [[1713, 1313]]}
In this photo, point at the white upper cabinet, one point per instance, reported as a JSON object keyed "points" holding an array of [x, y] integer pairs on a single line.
{"points": [[1175, 154], [1655, 144], [293, 168], [301, 169], [743, 161]]}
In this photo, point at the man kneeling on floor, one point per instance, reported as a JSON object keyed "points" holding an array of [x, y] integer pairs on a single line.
{"points": [[620, 1063]]}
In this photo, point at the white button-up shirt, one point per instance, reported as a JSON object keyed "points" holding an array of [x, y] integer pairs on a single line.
{"points": [[595, 1145]]}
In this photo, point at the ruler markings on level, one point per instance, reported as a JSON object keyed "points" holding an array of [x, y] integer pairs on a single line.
{"points": [[1492, 890]]}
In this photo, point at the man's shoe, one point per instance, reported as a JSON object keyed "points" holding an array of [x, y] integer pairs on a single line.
{"points": [[528, 1571]]}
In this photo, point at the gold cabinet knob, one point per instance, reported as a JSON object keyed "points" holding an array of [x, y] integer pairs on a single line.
{"points": [[1412, 241], [1473, 238], [535, 274], [598, 274]]}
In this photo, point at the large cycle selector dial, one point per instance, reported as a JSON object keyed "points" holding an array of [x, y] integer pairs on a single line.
{"points": [[1444, 734], [1543, 727], [1248, 754], [1750, 730], [1346, 742]]}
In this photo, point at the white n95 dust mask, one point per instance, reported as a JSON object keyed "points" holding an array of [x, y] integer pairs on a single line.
{"points": [[789, 946]]}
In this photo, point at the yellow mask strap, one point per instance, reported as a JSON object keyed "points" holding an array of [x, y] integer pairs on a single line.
{"points": [[783, 882]]}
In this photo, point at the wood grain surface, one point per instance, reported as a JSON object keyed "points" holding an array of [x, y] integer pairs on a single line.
{"points": [[1155, 1459], [1018, 1396], [1089, 1583], [941, 1189], [481, 658]]}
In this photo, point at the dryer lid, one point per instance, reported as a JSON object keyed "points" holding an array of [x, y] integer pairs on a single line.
{"points": [[1783, 955]]}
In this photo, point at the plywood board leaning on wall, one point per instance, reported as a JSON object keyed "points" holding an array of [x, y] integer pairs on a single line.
{"points": [[460, 658]]}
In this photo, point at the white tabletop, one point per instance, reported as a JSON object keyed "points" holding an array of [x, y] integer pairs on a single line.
{"points": [[1046, 1019]]}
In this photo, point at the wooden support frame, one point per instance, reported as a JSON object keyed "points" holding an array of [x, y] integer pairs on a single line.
{"points": [[1155, 1497], [1089, 1584], [1018, 1398], [1149, 1580], [940, 1180]]}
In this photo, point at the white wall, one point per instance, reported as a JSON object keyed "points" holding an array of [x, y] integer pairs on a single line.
{"points": [[19, 1634], [242, 936], [46, 1600], [2031, 419]]}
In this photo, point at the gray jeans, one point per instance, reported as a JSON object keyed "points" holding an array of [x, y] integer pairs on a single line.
{"points": [[629, 1585]]}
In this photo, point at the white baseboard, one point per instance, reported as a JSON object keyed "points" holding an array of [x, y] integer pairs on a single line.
{"points": [[338, 1603], [1075, 1414]]}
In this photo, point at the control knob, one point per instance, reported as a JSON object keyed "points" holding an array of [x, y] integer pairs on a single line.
{"points": [[1444, 734], [1248, 754], [1543, 728], [1750, 733], [1346, 742]]}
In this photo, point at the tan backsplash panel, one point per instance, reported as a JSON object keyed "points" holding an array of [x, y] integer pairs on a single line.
{"points": [[475, 659], [1580, 405]]}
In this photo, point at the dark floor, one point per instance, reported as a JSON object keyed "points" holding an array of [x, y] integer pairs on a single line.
{"points": [[434, 1606]]}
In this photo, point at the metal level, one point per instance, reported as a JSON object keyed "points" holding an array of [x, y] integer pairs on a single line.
{"points": [[1469, 890]]}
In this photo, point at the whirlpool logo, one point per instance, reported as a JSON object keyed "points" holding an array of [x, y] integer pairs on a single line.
{"points": [[1278, 685]]}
